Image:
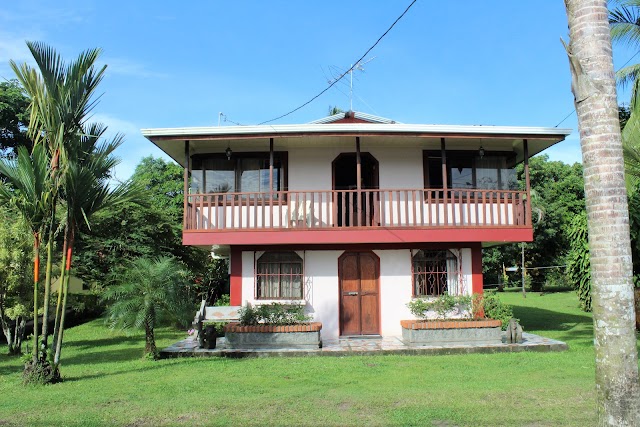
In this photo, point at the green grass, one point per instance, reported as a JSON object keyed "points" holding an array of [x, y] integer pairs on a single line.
{"points": [[107, 383]]}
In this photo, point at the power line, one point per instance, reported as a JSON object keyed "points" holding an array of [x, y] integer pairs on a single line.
{"points": [[346, 72], [574, 110]]}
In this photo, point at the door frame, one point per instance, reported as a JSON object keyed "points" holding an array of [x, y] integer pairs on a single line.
{"points": [[377, 273]]}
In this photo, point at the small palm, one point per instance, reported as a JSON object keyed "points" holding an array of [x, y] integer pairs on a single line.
{"points": [[149, 293]]}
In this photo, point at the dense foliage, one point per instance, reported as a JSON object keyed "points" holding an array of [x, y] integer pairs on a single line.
{"points": [[14, 118], [560, 196], [148, 230], [494, 308], [578, 260], [16, 279]]}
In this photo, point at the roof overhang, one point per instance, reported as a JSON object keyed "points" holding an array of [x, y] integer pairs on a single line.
{"points": [[171, 140]]}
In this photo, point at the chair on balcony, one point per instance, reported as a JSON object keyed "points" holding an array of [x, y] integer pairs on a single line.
{"points": [[300, 213]]}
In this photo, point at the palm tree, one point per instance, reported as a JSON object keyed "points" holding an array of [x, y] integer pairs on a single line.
{"points": [[594, 89], [624, 20], [86, 190], [61, 99], [148, 293], [29, 193]]}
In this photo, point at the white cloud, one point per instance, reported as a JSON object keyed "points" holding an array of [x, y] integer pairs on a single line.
{"points": [[127, 67], [133, 149], [13, 46]]}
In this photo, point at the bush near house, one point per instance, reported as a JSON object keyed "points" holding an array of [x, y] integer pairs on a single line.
{"points": [[273, 314]]}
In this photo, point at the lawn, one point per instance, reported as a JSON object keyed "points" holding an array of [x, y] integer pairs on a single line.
{"points": [[107, 383]]}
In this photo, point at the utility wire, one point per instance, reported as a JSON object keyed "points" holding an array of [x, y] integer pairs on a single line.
{"points": [[574, 110], [346, 72]]}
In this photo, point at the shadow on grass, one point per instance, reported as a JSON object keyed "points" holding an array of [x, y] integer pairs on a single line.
{"points": [[571, 327], [79, 345], [8, 364]]}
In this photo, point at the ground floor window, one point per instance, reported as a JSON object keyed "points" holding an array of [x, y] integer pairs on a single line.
{"points": [[435, 272], [279, 276]]}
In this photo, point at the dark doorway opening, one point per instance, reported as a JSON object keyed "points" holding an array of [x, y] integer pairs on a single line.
{"points": [[352, 208]]}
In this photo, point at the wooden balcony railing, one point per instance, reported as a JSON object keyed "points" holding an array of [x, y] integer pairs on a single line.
{"points": [[348, 209]]}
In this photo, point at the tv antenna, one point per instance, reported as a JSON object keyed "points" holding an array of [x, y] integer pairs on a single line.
{"points": [[357, 66]]}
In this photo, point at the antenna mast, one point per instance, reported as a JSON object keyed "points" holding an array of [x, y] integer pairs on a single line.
{"points": [[358, 66]]}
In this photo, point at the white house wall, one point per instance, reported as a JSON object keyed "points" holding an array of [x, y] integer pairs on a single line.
{"points": [[310, 168], [322, 287]]}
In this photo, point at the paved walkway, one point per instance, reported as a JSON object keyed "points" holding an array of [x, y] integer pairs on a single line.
{"points": [[366, 346]]}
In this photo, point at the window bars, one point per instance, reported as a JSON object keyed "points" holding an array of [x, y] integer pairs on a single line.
{"points": [[435, 272]]}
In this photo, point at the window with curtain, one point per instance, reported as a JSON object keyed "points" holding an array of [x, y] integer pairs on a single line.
{"points": [[279, 276], [467, 170], [435, 273], [243, 173]]}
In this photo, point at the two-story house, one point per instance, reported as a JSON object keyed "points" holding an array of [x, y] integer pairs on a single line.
{"points": [[354, 215]]}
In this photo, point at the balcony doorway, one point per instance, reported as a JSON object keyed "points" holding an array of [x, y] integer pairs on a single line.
{"points": [[353, 209]]}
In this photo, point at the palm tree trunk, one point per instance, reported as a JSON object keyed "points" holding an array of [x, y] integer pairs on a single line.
{"points": [[47, 285], [56, 324], [594, 89], [65, 292], [150, 340], [36, 275]]}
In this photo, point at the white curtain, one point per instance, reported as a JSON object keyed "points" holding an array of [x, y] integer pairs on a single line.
{"points": [[453, 284]]}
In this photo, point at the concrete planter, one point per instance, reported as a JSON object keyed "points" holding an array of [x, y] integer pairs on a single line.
{"points": [[437, 332], [303, 336]]}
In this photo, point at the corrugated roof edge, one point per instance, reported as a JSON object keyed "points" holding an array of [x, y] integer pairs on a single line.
{"points": [[382, 128]]}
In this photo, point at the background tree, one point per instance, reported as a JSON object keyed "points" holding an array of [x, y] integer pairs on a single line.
{"points": [[149, 293], [560, 190], [27, 190], [14, 118], [594, 90], [15, 279], [123, 233]]}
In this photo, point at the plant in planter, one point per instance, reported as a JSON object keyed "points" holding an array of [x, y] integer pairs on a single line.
{"points": [[273, 326], [456, 319]]}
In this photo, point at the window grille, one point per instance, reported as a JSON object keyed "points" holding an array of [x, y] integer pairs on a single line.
{"points": [[435, 273], [279, 276]]}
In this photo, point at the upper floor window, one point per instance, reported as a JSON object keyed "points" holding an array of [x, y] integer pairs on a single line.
{"points": [[435, 273], [243, 173], [467, 170], [279, 276]]}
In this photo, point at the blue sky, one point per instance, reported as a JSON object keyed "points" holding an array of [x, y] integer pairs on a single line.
{"points": [[468, 62]]}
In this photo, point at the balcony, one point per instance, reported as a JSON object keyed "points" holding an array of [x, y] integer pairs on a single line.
{"points": [[363, 216]]}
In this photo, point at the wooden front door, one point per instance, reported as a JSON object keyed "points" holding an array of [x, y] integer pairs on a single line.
{"points": [[359, 293]]}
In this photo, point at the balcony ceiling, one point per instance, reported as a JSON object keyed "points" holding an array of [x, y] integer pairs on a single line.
{"points": [[256, 138]]}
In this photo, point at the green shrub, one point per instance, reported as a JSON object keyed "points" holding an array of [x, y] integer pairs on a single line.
{"points": [[224, 300], [494, 308], [441, 306], [579, 262], [273, 314]]}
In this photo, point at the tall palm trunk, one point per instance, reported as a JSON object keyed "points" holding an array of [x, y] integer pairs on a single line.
{"points": [[56, 324], [36, 275], [594, 89], [64, 290], [47, 285]]}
